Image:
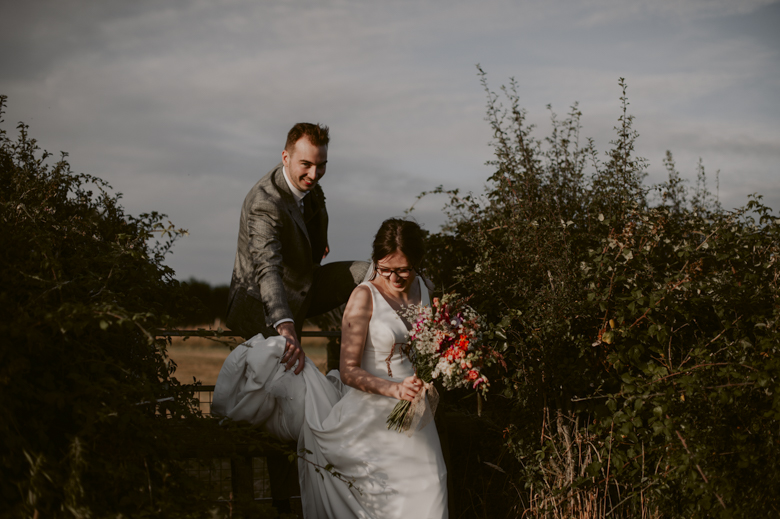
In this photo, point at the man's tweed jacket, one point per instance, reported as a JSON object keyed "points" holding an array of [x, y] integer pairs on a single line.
{"points": [[276, 256]]}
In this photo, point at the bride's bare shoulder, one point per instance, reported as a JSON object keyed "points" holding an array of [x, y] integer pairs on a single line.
{"points": [[360, 299], [358, 311]]}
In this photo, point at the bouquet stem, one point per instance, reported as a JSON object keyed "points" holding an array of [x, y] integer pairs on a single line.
{"points": [[398, 415]]}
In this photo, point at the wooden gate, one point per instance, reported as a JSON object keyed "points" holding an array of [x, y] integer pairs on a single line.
{"points": [[237, 470]]}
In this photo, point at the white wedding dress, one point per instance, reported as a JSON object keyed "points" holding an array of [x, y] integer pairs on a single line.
{"points": [[394, 475]]}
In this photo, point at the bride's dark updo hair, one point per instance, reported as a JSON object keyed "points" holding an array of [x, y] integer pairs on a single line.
{"points": [[400, 235]]}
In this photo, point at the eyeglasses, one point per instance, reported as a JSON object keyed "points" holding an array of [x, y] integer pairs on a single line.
{"points": [[402, 273]]}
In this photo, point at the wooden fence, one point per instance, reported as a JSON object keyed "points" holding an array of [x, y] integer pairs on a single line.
{"points": [[236, 470]]}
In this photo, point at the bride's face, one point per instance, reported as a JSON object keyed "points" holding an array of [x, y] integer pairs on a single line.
{"points": [[395, 272]]}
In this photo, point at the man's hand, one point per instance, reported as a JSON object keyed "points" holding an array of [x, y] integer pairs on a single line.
{"points": [[292, 351]]}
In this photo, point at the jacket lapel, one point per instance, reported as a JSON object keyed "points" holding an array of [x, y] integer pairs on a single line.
{"points": [[290, 205]]}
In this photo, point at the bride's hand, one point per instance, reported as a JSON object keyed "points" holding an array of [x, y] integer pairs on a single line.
{"points": [[409, 388]]}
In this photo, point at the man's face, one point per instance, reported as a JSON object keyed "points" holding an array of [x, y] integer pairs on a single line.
{"points": [[305, 164]]}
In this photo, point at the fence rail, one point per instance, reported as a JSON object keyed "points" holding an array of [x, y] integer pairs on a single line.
{"points": [[203, 332]]}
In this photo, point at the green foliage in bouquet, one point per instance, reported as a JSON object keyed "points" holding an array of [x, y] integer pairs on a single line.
{"points": [[85, 386], [638, 327]]}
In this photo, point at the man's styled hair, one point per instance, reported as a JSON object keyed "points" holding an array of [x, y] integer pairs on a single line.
{"points": [[316, 133]]}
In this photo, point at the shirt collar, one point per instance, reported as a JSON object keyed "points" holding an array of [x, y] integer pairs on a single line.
{"points": [[297, 193]]}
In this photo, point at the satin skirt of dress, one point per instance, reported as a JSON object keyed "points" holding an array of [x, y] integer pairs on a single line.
{"points": [[382, 473]]}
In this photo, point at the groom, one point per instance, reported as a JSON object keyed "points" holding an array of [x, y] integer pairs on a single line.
{"points": [[277, 277], [283, 237]]}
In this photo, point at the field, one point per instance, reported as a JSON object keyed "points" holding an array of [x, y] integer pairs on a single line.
{"points": [[199, 358]]}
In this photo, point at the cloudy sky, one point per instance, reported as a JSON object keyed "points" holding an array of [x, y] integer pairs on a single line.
{"points": [[183, 105]]}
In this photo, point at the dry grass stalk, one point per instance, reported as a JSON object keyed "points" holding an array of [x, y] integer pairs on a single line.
{"points": [[572, 451]]}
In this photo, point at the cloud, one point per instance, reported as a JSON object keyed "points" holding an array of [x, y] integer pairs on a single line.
{"points": [[183, 105], [603, 12]]}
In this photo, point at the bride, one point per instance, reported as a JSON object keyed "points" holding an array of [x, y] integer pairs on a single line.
{"points": [[339, 420]]}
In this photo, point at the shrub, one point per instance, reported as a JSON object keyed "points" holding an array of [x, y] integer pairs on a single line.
{"points": [[209, 303], [84, 382], [637, 327]]}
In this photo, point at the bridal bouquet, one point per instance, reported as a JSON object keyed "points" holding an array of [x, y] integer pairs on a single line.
{"points": [[445, 344]]}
